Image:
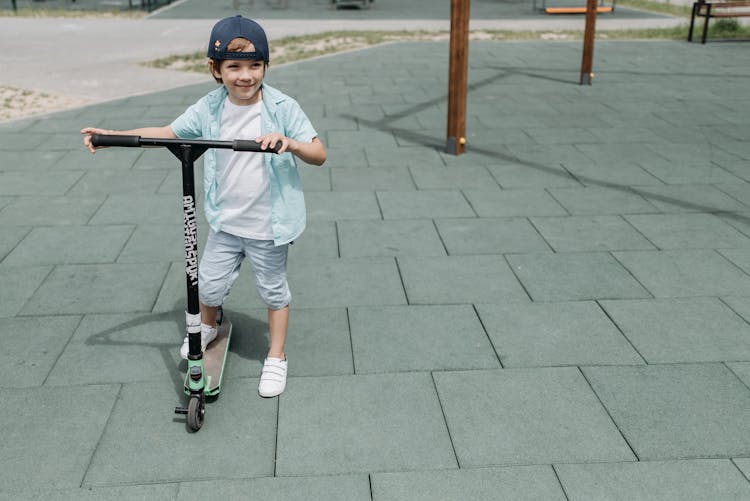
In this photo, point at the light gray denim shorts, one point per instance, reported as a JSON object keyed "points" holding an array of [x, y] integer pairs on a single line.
{"points": [[220, 267]]}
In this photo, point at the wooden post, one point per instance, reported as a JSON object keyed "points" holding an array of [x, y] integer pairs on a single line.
{"points": [[458, 69], [587, 73]]}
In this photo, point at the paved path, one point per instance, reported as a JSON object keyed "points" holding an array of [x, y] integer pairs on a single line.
{"points": [[560, 313], [98, 59]]}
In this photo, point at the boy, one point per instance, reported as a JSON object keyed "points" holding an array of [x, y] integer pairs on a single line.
{"points": [[253, 202]]}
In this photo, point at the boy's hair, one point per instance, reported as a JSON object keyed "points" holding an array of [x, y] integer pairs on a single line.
{"points": [[234, 45]]}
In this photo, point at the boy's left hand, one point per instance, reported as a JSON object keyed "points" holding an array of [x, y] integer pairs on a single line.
{"points": [[271, 140]]}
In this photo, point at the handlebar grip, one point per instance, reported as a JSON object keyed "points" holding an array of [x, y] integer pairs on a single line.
{"points": [[115, 140], [251, 145]]}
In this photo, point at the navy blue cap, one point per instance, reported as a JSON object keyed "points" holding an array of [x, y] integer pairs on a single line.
{"points": [[237, 26]]}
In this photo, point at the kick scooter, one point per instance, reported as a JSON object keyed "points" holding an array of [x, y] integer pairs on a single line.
{"points": [[205, 370]]}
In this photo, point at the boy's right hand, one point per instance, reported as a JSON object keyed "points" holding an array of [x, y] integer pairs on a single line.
{"points": [[87, 132]]}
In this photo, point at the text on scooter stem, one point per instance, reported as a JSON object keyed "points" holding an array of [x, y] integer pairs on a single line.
{"points": [[191, 238]]}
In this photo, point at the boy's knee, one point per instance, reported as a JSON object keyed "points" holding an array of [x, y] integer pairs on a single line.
{"points": [[274, 292], [211, 293]]}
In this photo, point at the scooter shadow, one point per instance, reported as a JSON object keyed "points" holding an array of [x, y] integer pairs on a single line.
{"points": [[249, 339]]}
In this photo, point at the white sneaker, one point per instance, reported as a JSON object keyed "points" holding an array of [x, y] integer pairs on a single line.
{"points": [[273, 378], [208, 334]]}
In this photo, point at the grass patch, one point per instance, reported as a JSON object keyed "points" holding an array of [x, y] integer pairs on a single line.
{"points": [[298, 48], [77, 13], [656, 7]]}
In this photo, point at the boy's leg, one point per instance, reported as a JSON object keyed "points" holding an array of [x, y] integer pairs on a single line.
{"points": [[269, 265], [278, 320], [218, 269], [209, 314]]}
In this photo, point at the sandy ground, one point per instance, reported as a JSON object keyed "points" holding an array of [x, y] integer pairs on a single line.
{"points": [[18, 103]]}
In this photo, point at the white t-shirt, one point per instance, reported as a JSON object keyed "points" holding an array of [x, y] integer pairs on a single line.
{"points": [[244, 195]]}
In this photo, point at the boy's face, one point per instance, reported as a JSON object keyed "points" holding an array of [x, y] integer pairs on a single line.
{"points": [[242, 78]]}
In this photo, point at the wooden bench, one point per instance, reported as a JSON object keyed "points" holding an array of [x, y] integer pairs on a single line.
{"points": [[574, 9], [720, 9]]}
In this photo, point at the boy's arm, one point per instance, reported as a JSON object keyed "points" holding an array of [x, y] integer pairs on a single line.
{"points": [[312, 153], [164, 132]]}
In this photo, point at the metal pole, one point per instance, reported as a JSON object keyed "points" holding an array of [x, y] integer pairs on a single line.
{"points": [[458, 69], [15, 7], [587, 64]]}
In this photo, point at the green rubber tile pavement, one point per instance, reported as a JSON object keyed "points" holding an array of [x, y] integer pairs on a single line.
{"points": [[595, 200], [654, 480], [314, 178], [590, 233], [689, 198], [424, 204], [16, 141], [118, 182], [319, 241], [81, 159], [574, 277], [610, 174], [49, 211], [19, 284], [691, 174], [489, 236], [548, 155], [742, 370], [30, 160], [121, 348], [395, 178], [417, 157], [740, 257], [128, 493], [140, 209], [102, 288], [677, 411], [37, 182], [684, 273], [12, 235], [318, 342], [150, 243], [345, 282], [520, 175], [31, 347], [325, 488], [555, 334], [513, 203], [325, 206], [81, 245], [516, 483], [682, 330], [527, 416], [419, 338], [353, 424], [688, 231], [437, 177], [410, 237], [744, 465], [53, 433], [239, 434], [459, 279], [739, 191]]}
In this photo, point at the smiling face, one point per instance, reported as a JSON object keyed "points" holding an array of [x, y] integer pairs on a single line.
{"points": [[242, 77]]}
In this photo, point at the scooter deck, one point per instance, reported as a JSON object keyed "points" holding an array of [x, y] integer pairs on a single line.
{"points": [[214, 360]]}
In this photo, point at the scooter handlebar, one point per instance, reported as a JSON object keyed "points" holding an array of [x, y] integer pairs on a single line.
{"points": [[98, 140], [251, 145], [115, 140]]}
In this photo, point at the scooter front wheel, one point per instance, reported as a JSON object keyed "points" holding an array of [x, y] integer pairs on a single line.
{"points": [[195, 413]]}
